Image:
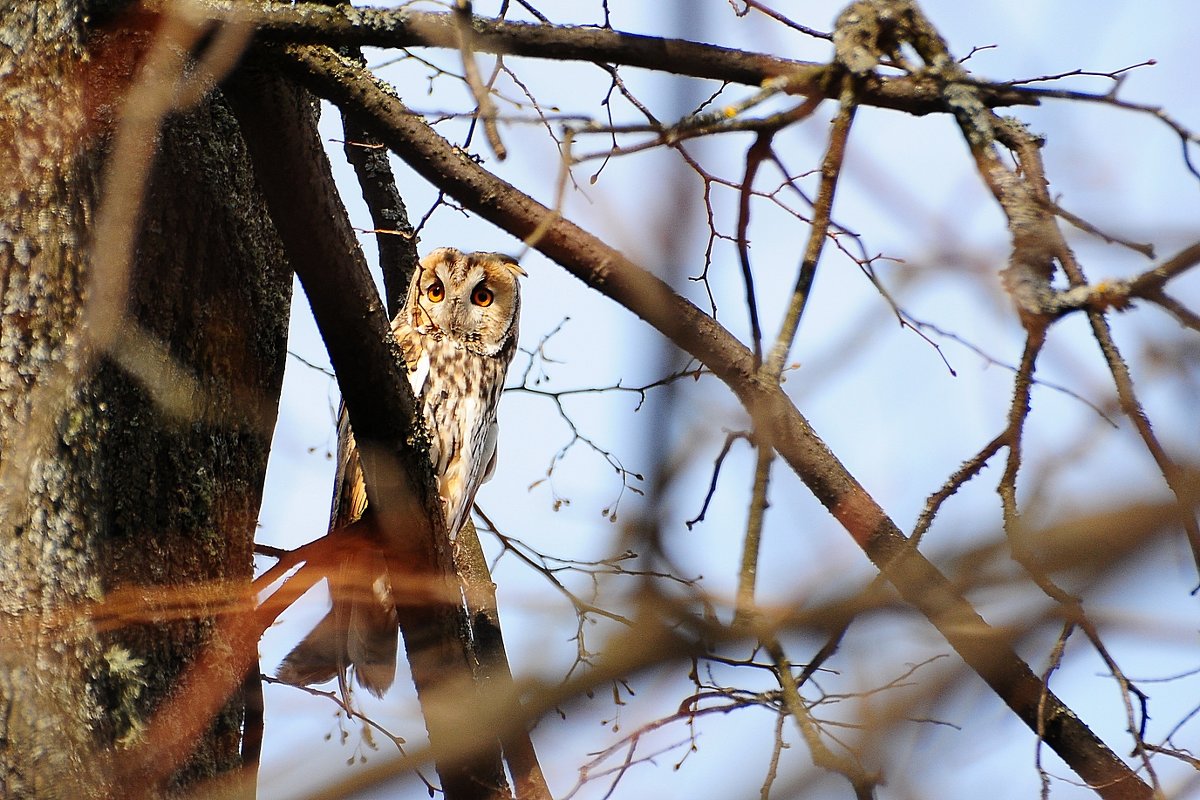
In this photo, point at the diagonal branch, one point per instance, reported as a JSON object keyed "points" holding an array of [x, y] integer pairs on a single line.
{"points": [[752, 545], [986, 650], [1155, 279], [831, 171], [485, 107]]}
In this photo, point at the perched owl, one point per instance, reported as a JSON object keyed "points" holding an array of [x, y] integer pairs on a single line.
{"points": [[458, 333]]}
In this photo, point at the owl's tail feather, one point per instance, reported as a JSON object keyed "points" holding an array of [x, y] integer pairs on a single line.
{"points": [[359, 635]]}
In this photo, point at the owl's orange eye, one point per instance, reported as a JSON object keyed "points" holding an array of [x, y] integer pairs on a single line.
{"points": [[436, 292], [482, 296]]}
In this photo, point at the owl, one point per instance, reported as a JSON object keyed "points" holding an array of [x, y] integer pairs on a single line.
{"points": [[458, 333]]}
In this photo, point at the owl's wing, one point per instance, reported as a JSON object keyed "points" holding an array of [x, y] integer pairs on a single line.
{"points": [[415, 356], [350, 489], [488, 454], [360, 631]]}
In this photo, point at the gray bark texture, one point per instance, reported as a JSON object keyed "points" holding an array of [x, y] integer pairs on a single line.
{"points": [[130, 479]]}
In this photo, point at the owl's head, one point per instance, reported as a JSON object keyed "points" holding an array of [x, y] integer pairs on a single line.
{"points": [[473, 298]]}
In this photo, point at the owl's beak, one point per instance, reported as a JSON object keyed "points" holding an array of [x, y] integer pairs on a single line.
{"points": [[458, 317]]}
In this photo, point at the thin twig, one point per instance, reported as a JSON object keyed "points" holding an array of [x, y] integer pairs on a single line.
{"points": [[966, 472], [1018, 413], [747, 575], [758, 152], [764, 792], [775, 15], [831, 170], [1055, 661], [730, 438]]}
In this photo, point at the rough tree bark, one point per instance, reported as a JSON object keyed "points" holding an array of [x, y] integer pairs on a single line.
{"points": [[130, 480], [47, 552]]}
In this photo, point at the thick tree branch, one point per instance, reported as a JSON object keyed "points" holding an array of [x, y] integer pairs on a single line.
{"points": [[986, 650], [394, 236], [393, 28]]}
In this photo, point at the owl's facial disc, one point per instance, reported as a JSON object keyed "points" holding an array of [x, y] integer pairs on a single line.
{"points": [[471, 298]]}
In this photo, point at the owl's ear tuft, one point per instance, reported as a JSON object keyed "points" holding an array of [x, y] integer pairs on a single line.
{"points": [[511, 263]]}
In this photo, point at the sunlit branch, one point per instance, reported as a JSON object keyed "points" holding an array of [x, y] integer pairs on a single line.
{"points": [[485, 108]]}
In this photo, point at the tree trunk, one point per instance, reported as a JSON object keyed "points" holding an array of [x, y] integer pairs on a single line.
{"points": [[130, 480]]}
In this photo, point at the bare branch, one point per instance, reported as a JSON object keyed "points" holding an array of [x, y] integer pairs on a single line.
{"points": [[485, 108], [345, 25], [730, 438], [395, 238], [831, 170], [752, 542], [1173, 267], [775, 15]]}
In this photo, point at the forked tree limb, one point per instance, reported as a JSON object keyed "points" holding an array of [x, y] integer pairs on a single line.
{"points": [[453, 171], [292, 169]]}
